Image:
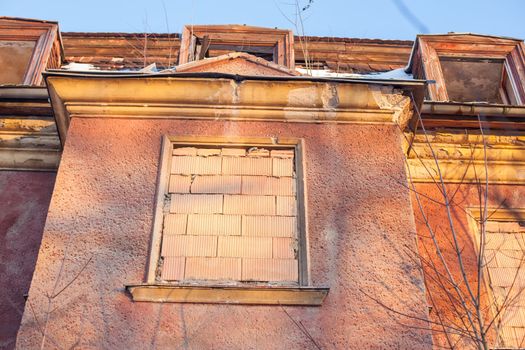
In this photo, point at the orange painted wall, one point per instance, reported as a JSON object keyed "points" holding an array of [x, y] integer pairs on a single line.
{"points": [[464, 196]]}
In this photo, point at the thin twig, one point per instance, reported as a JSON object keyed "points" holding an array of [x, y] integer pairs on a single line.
{"points": [[301, 328]]}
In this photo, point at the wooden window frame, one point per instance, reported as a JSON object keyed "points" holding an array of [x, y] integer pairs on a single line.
{"points": [[430, 48], [282, 41], [508, 90], [264, 294]]}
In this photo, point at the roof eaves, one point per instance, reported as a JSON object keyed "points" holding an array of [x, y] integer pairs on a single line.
{"points": [[357, 40], [171, 74], [470, 34], [27, 19], [119, 34]]}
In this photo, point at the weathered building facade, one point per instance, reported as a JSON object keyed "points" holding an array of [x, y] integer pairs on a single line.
{"points": [[253, 189]]}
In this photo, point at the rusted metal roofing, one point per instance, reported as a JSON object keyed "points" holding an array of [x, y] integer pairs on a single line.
{"points": [[117, 51], [350, 55]]}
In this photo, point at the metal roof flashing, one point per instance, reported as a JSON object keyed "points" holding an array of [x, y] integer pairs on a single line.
{"points": [[236, 77]]}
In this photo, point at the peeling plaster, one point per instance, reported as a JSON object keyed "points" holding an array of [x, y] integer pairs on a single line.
{"points": [[392, 99], [307, 97], [330, 99]]}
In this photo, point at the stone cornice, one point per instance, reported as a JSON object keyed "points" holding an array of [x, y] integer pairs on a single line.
{"points": [[213, 96], [28, 136], [462, 115], [463, 158]]}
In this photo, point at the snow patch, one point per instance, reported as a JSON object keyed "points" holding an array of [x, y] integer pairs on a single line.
{"points": [[395, 74], [80, 67]]}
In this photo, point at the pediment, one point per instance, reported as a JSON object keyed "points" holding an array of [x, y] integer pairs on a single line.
{"points": [[236, 63]]}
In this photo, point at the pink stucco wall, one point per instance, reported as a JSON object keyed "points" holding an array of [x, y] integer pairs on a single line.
{"points": [[24, 198], [359, 218]]}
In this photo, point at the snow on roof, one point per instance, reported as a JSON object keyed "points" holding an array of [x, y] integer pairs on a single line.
{"points": [[79, 67], [395, 74]]}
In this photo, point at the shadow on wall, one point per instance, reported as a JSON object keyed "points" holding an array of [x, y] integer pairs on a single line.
{"points": [[24, 201]]}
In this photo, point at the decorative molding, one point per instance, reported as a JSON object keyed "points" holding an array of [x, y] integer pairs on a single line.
{"points": [[205, 96], [499, 214], [28, 134], [465, 172], [462, 115], [461, 157], [250, 63]]}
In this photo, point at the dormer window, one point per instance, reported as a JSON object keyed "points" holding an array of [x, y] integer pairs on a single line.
{"points": [[27, 48], [200, 42], [471, 68]]}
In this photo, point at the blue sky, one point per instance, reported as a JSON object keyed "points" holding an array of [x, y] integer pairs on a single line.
{"points": [[343, 18]]}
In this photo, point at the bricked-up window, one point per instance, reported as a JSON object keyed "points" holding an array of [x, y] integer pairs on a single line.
{"points": [[231, 215], [505, 265]]}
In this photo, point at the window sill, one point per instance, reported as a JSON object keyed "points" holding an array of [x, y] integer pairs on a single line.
{"points": [[255, 295]]}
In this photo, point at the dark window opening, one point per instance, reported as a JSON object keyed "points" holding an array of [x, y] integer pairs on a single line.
{"points": [[477, 80], [205, 47], [266, 52]]}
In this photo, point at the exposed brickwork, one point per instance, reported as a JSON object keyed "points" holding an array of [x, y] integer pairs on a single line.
{"points": [[253, 205], [253, 247], [185, 151], [213, 268], [282, 153], [206, 152], [216, 184], [269, 226], [282, 167], [187, 165], [175, 224], [265, 185], [284, 248], [214, 225], [173, 268], [232, 215], [201, 203], [185, 245], [269, 270], [247, 166], [286, 206], [258, 152], [180, 184], [235, 152]]}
